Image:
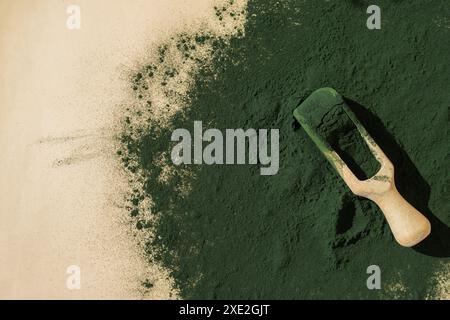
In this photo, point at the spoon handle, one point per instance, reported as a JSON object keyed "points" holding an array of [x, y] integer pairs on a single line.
{"points": [[407, 224]]}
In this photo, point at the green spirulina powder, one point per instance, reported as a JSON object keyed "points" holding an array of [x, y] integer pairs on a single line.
{"points": [[301, 233], [344, 138]]}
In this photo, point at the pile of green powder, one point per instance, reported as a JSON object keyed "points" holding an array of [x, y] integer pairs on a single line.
{"points": [[301, 233], [343, 136]]}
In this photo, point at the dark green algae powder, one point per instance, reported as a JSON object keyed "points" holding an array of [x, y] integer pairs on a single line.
{"points": [[301, 233]]}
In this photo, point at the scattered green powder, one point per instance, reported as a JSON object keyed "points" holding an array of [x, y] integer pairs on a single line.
{"points": [[301, 233]]}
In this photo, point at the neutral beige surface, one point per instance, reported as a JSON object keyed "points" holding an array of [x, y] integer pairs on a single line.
{"points": [[59, 181]]}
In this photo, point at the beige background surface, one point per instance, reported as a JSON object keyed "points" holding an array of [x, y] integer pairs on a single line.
{"points": [[60, 185]]}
